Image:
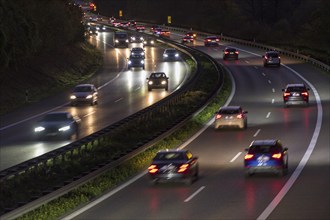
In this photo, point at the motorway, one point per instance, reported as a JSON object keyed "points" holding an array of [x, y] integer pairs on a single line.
{"points": [[122, 92], [222, 192]]}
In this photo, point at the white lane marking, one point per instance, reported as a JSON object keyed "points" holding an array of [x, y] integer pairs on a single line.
{"points": [[137, 88], [264, 74], [255, 67], [268, 114], [273, 90], [89, 114], [104, 197], [194, 194], [270, 208], [270, 82], [234, 158], [119, 99], [247, 61], [256, 134], [273, 100]]}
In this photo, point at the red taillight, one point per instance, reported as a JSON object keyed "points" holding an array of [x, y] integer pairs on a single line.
{"points": [[183, 168], [248, 156], [286, 94], [208, 40], [218, 116], [239, 116], [304, 93], [236, 52], [152, 168], [226, 52], [277, 156]]}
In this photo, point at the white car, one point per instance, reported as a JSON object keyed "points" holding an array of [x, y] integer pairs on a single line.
{"points": [[230, 116], [84, 93]]}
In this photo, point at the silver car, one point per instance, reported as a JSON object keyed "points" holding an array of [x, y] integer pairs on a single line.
{"points": [[230, 116], [271, 58], [84, 93]]}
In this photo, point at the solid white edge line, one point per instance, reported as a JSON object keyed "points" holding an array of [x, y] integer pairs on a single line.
{"points": [[104, 197], [270, 82], [236, 156], [119, 99], [194, 194], [270, 208]]}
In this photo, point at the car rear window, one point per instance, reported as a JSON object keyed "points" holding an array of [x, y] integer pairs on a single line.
{"points": [[296, 89], [264, 149], [273, 55], [231, 49], [169, 156], [229, 111]]}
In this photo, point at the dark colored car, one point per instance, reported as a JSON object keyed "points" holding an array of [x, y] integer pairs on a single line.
{"points": [[136, 39], [230, 116], [295, 94], [84, 93], [266, 156], [140, 28], [271, 58], [121, 39], [187, 39], [157, 80], [60, 124], [135, 61], [175, 165], [211, 41], [138, 51], [149, 41], [230, 52], [171, 54], [191, 34]]}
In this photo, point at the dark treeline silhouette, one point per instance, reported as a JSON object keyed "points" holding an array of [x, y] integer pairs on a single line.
{"points": [[292, 24]]}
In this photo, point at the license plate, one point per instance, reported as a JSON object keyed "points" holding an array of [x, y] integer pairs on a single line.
{"points": [[296, 94]]}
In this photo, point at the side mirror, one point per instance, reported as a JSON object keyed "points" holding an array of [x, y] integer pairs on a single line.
{"points": [[308, 89]]}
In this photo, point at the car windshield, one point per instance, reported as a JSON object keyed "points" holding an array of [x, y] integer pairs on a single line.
{"points": [[264, 149], [229, 111], [56, 117], [158, 75], [170, 51], [296, 89], [121, 35], [83, 89], [169, 156]]}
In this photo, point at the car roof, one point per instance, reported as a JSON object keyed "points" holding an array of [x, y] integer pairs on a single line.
{"points": [[137, 48], [173, 151], [272, 52], [157, 73], [170, 49], [83, 85], [296, 85], [211, 37], [264, 142], [230, 107]]}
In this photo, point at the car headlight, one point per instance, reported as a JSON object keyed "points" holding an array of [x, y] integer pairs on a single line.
{"points": [[152, 42], [117, 41], [142, 61], [129, 62], [176, 55], [142, 53], [165, 55], [145, 42], [141, 38], [39, 129], [73, 97], [150, 82], [89, 97], [164, 82], [133, 38], [65, 128], [97, 28], [126, 41]]}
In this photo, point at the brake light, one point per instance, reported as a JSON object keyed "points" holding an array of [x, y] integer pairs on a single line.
{"points": [[216, 39], [239, 116], [218, 116], [248, 156], [286, 94], [236, 52], [183, 168], [226, 52], [277, 156], [304, 93], [152, 168]]}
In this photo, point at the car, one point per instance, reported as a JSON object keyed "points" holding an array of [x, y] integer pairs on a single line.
{"points": [[153, 27], [230, 116], [124, 24], [174, 165], [187, 39], [116, 24], [170, 54], [101, 27], [92, 30], [135, 61], [157, 31], [84, 93], [121, 39], [139, 51], [60, 124], [99, 18], [140, 28], [211, 41], [165, 33], [157, 80], [111, 20], [230, 52], [271, 58], [296, 93], [149, 41], [132, 22], [136, 39], [191, 34], [266, 156]]}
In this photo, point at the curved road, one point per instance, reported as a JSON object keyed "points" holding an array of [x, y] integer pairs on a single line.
{"points": [[122, 92], [222, 192]]}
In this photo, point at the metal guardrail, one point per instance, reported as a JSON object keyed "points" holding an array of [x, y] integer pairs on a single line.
{"points": [[302, 57]]}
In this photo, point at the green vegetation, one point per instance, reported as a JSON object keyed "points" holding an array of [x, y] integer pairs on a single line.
{"points": [[43, 51]]}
